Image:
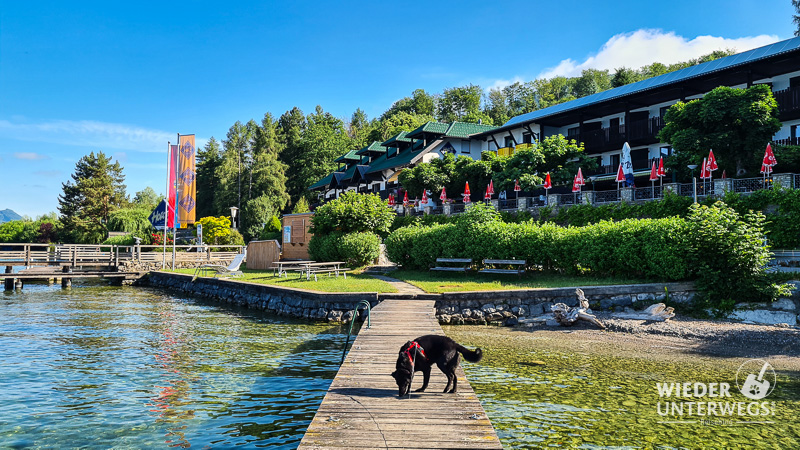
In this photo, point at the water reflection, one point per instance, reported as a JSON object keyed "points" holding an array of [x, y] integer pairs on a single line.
{"points": [[100, 367]]}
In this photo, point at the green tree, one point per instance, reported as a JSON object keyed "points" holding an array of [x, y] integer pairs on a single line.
{"points": [[796, 17], [401, 121], [301, 206], [735, 123], [267, 173], [623, 76], [208, 160], [324, 140], [420, 103], [353, 212], [457, 102], [96, 189], [292, 126], [255, 216], [147, 198], [591, 82], [216, 230]]}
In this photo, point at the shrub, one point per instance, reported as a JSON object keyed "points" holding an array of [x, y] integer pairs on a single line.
{"points": [[360, 249], [353, 212], [216, 230], [356, 249], [130, 220], [729, 256]]}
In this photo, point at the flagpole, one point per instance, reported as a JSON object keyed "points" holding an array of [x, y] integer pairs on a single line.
{"points": [[175, 212], [166, 208]]}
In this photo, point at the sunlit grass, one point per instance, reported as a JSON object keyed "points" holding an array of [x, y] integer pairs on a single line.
{"points": [[458, 282], [355, 282]]}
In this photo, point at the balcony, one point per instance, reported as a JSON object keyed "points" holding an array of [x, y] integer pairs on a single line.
{"points": [[787, 141], [788, 102], [637, 132]]}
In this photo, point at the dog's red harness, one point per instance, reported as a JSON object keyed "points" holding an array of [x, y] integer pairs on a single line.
{"points": [[415, 345]]}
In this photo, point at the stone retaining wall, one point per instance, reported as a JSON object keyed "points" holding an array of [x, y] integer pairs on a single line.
{"points": [[333, 307], [509, 306], [500, 307]]}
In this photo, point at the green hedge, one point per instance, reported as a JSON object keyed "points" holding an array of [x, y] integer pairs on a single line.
{"points": [[781, 208], [714, 245]]}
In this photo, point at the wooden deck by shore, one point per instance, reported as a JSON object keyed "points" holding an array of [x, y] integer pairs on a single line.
{"points": [[361, 408]]}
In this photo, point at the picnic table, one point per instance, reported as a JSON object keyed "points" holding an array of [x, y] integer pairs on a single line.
{"points": [[283, 267], [324, 267]]}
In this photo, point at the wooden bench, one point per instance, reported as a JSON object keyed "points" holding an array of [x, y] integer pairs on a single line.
{"points": [[467, 262], [519, 263]]}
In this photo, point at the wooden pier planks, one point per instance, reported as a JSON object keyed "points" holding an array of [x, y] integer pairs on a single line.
{"points": [[361, 408]]}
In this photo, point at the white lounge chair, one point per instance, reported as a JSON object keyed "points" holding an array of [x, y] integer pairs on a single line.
{"points": [[232, 270]]}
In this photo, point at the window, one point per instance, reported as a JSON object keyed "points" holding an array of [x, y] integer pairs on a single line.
{"points": [[464, 146], [614, 161], [572, 133], [527, 138], [794, 82], [663, 110], [508, 142]]}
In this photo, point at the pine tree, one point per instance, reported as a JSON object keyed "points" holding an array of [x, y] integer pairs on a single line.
{"points": [[208, 159], [96, 190]]}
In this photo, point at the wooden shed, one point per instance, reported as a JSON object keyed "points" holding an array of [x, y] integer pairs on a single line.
{"points": [[262, 254], [296, 235]]}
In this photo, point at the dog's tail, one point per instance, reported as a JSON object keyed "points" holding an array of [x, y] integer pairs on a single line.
{"points": [[469, 355]]}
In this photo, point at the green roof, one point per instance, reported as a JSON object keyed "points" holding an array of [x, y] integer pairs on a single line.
{"points": [[428, 127], [401, 137], [375, 147], [401, 159], [351, 155], [321, 183], [465, 130]]}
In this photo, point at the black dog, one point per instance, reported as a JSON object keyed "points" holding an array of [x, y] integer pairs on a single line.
{"points": [[421, 353]]}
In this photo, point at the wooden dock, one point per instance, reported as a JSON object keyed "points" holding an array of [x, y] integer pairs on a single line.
{"points": [[362, 410]]}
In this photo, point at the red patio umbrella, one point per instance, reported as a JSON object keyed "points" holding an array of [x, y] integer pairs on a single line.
{"points": [[576, 186], [490, 189], [547, 183], [579, 178], [724, 175], [466, 193], [769, 157], [516, 186], [653, 178], [443, 196], [391, 199], [661, 172], [487, 196], [424, 197], [712, 161], [405, 199]]}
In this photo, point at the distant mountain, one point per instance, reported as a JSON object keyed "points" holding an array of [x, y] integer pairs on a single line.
{"points": [[8, 215]]}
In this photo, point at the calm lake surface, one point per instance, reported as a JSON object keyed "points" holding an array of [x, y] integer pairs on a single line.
{"points": [[121, 367]]}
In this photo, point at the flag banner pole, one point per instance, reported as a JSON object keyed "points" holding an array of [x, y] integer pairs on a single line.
{"points": [[166, 208], [175, 211]]}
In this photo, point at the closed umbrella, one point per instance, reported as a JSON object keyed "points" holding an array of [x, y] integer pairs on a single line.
{"points": [[661, 172], [491, 187], [516, 188], [466, 193], [768, 162], [443, 196], [653, 178], [547, 185], [391, 199], [405, 199], [620, 177]]}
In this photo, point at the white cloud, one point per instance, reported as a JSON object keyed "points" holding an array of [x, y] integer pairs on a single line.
{"points": [[643, 47], [87, 133], [29, 156], [500, 84]]}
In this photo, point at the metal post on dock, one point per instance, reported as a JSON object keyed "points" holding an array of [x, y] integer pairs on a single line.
{"points": [[9, 282], [66, 281]]}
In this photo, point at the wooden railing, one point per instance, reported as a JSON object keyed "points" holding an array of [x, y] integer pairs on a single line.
{"points": [[21, 254]]}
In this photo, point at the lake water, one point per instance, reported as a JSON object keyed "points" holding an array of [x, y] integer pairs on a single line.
{"points": [[122, 367]]}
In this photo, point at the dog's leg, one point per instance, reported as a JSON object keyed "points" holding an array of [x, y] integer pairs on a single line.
{"points": [[426, 376], [455, 381], [446, 388]]}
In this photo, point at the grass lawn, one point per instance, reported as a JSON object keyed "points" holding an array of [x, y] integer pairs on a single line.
{"points": [[355, 282], [457, 282]]}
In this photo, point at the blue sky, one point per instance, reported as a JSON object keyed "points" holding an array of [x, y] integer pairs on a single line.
{"points": [[77, 77]]}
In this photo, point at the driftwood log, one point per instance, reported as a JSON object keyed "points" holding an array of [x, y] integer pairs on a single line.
{"points": [[567, 316], [658, 312]]}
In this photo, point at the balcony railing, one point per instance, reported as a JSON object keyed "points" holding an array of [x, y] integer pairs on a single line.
{"points": [[508, 204], [637, 131], [788, 100], [788, 141]]}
